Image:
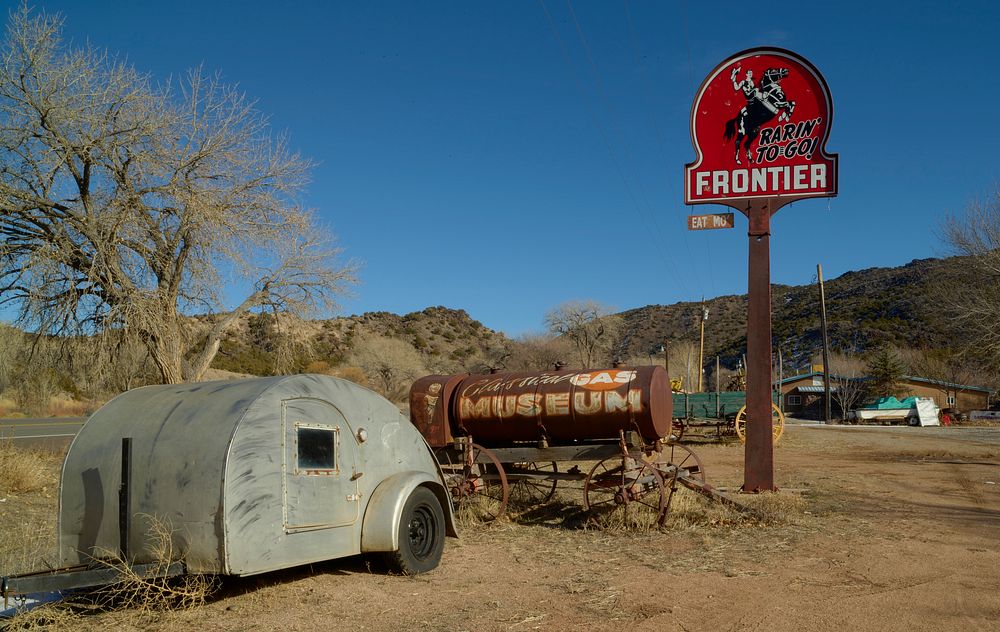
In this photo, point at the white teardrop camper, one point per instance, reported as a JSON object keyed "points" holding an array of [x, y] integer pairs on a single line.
{"points": [[251, 476]]}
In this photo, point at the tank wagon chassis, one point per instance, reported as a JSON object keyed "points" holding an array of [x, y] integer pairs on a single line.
{"points": [[628, 475], [509, 439]]}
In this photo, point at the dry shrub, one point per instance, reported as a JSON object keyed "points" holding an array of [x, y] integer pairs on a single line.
{"points": [[631, 518], [477, 510], [9, 408], [63, 407], [689, 510], [135, 599], [154, 592], [321, 367], [352, 373], [23, 471], [51, 616]]}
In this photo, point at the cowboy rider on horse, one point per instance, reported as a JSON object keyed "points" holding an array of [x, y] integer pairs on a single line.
{"points": [[769, 95]]}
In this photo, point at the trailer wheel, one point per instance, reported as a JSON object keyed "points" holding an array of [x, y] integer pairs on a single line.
{"points": [[421, 534]]}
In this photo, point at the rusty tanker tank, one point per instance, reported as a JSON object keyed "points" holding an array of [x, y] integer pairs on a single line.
{"points": [[557, 407]]}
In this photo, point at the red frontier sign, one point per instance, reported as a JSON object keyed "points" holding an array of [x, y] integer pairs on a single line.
{"points": [[714, 220], [759, 125]]}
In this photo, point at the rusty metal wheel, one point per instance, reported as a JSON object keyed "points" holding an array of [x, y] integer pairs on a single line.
{"points": [[677, 428], [477, 482], [683, 460], [676, 460], [777, 423], [625, 492], [530, 483]]}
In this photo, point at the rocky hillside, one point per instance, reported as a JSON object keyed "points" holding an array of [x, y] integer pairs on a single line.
{"points": [[446, 340], [865, 308]]}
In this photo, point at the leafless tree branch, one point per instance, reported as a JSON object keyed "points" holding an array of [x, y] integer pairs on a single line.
{"points": [[124, 203]]}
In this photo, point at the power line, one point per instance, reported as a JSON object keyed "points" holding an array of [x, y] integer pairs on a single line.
{"points": [[647, 93], [567, 57], [691, 87]]}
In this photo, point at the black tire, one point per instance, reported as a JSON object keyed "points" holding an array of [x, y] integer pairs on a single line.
{"points": [[421, 534]]}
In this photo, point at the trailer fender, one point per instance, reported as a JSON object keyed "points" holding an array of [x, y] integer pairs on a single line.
{"points": [[379, 531]]}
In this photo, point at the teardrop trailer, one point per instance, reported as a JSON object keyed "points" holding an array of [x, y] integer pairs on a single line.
{"points": [[249, 476]]}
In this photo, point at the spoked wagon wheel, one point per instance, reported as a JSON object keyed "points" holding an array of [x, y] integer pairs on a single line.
{"points": [[677, 429], [529, 485], [777, 423], [673, 461], [479, 489], [625, 491]]}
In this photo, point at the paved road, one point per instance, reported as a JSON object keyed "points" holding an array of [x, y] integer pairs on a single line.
{"points": [[48, 434]]}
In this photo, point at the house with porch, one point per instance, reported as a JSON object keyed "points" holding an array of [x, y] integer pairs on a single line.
{"points": [[804, 395]]}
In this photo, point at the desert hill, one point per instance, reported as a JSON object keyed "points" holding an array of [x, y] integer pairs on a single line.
{"points": [[865, 309]]}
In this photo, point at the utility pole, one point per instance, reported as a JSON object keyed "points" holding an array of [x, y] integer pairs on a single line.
{"points": [[701, 353], [826, 346], [781, 378], [717, 389]]}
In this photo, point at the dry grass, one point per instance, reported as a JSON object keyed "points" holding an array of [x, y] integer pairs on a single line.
{"points": [[64, 407], [28, 490], [9, 408], [53, 616], [24, 471], [136, 600], [477, 510], [690, 510], [155, 592], [59, 406]]}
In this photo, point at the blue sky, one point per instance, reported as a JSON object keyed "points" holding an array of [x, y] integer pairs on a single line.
{"points": [[505, 157]]}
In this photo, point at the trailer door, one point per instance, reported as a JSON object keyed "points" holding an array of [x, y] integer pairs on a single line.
{"points": [[320, 489]]}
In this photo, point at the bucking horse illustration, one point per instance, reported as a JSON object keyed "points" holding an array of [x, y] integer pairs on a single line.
{"points": [[763, 104]]}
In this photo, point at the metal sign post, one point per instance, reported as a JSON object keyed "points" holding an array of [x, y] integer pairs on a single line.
{"points": [[759, 126], [758, 459]]}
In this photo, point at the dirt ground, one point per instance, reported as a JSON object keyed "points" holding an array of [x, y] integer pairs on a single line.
{"points": [[890, 529]]}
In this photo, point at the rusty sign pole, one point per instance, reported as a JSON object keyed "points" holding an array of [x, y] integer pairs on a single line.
{"points": [[758, 462], [759, 125]]}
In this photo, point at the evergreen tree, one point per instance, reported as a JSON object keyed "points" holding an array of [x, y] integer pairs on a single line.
{"points": [[885, 370]]}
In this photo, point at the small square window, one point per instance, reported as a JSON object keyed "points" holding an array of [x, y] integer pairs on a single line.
{"points": [[951, 400], [794, 400], [317, 449]]}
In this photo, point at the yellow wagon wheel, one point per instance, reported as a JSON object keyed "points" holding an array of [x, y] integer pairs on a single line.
{"points": [[777, 423]]}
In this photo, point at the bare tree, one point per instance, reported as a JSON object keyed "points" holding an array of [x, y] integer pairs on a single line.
{"points": [[537, 352], [389, 364], [11, 340], [684, 363], [126, 205], [846, 380], [950, 367], [972, 298], [592, 328]]}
